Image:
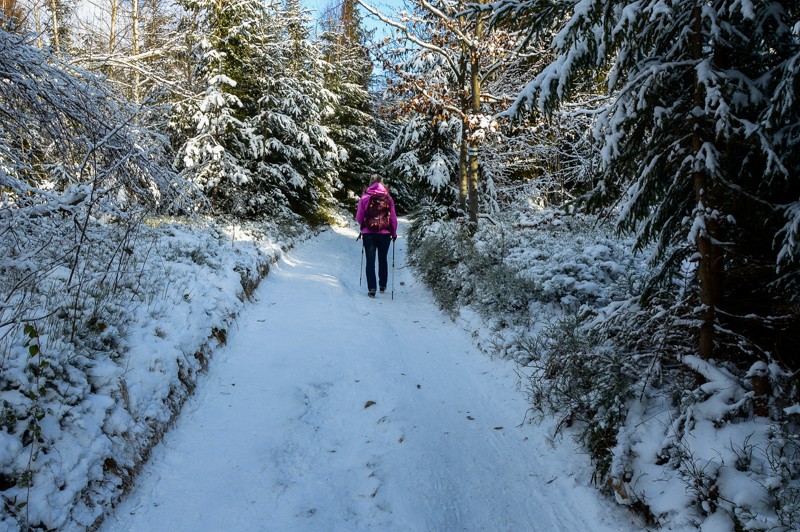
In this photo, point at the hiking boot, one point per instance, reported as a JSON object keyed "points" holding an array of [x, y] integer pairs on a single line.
{"points": [[383, 289], [371, 293]]}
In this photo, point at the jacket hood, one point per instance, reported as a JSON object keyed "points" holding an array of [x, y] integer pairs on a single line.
{"points": [[377, 188]]}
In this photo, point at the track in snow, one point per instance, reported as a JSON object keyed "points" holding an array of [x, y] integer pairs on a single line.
{"points": [[277, 436]]}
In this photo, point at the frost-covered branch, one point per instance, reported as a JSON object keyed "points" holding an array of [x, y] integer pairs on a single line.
{"points": [[410, 35]]}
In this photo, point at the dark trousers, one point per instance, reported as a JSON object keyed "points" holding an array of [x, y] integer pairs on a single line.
{"points": [[377, 243]]}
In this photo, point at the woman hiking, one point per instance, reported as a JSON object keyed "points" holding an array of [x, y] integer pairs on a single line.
{"points": [[378, 221]]}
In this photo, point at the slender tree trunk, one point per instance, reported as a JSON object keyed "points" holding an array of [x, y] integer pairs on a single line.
{"points": [[711, 260], [464, 104], [189, 63], [55, 24], [463, 181], [112, 32], [135, 47], [112, 36], [263, 47], [38, 24], [472, 154]]}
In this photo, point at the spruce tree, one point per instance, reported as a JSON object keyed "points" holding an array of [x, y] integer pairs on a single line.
{"points": [[297, 158], [694, 149], [218, 153], [348, 75]]}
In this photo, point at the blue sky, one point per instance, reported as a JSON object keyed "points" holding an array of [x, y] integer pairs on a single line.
{"points": [[386, 6]]}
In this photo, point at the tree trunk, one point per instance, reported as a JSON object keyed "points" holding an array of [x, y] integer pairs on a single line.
{"points": [[135, 47], [472, 153], [463, 182], [710, 267], [112, 32], [55, 23], [464, 104], [38, 25], [188, 65]]}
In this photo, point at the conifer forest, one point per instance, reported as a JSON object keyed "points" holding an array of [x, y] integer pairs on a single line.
{"points": [[606, 193]]}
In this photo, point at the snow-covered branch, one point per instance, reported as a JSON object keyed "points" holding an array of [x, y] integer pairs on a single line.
{"points": [[408, 33]]}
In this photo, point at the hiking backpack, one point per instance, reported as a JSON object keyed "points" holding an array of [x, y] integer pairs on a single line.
{"points": [[376, 218]]}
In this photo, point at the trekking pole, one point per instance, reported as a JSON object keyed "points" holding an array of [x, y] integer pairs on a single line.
{"points": [[393, 269], [361, 268]]}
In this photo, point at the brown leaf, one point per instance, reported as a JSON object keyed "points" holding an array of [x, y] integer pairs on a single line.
{"points": [[369, 404]]}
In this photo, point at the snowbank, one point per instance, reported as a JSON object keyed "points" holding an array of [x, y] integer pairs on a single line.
{"points": [[90, 386], [684, 442]]}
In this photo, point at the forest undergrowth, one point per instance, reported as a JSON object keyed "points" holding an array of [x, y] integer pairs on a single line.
{"points": [[109, 307], [99, 349], [680, 440]]}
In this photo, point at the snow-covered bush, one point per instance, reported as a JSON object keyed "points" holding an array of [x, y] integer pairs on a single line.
{"points": [[533, 281], [525, 266], [436, 254], [92, 373], [587, 384], [680, 440], [692, 451], [783, 457], [107, 314]]}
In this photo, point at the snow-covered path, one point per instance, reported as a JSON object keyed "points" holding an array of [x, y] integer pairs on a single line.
{"points": [[279, 435]]}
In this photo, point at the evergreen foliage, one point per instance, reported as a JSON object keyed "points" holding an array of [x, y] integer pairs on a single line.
{"points": [[561, 297], [424, 156], [82, 167], [263, 139], [680, 118], [429, 82], [348, 75], [298, 160], [693, 149], [217, 153], [712, 177]]}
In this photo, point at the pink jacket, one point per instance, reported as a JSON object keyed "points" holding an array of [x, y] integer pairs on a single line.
{"points": [[364, 202]]}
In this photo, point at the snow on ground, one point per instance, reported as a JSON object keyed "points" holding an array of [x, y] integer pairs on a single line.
{"points": [[328, 410], [115, 352]]}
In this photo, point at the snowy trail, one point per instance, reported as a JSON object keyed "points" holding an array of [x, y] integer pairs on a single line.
{"points": [[277, 436]]}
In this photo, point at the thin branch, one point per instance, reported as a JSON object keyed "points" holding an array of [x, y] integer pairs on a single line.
{"points": [[410, 36]]}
